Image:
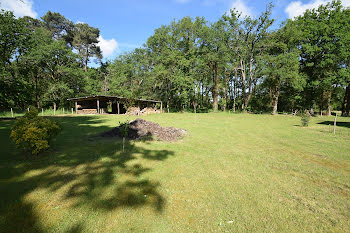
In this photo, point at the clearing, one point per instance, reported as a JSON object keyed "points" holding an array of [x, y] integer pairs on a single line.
{"points": [[230, 173]]}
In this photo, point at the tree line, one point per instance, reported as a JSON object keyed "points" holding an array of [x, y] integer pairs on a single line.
{"points": [[236, 63], [46, 61]]}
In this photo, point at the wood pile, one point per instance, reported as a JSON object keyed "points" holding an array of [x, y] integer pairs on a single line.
{"points": [[136, 111], [148, 110], [88, 111]]}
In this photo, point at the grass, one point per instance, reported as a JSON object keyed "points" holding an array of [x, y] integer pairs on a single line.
{"points": [[231, 173], [44, 112]]}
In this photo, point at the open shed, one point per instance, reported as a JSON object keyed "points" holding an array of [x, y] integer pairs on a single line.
{"points": [[99, 104]]}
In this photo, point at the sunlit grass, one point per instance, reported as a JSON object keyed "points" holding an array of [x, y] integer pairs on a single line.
{"points": [[231, 173]]}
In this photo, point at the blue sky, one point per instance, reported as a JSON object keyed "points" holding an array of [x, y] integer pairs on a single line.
{"points": [[126, 24]]}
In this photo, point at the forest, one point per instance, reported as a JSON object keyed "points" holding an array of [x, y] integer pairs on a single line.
{"points": [[234, 64]]}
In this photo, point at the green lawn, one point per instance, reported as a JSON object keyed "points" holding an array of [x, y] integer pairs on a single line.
{"points": [[231, 173]]}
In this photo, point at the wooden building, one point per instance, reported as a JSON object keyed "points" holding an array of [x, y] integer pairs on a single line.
{"points": [[99, 104]]}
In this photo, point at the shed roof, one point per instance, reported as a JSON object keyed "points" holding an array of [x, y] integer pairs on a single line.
{"points": [[107, 97]]}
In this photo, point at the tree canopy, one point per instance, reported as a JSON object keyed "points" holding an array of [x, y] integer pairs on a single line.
{"points": [[236, 63]]}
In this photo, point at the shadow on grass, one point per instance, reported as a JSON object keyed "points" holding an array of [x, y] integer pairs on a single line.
{"points": [[339, 123], [77, 173]]}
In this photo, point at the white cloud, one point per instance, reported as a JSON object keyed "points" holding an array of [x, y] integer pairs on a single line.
{"points": [[108, 47], [19, 7], [241, 7], [297, 8]]}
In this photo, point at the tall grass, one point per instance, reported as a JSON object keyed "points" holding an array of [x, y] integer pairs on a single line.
{"points": [[42, 112]]}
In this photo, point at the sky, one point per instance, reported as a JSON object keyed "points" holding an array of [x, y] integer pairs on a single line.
{"points": [[126, 24]]}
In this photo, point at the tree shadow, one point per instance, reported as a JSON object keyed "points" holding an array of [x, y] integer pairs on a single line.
{"points": [[339, 123], [96, 175], [77, 228]]}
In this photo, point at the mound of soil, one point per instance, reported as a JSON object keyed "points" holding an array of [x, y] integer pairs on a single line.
{"points": [[141, 128]]}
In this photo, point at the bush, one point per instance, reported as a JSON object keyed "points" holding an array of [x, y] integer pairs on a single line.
{"points": [[305, 119], [32, 133]]}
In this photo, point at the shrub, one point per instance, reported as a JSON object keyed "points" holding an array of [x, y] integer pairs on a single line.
{"points": [[32, 133], [305, 119]]}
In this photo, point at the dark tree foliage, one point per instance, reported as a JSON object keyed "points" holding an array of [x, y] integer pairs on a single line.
{"points": [[38, 65], [235, 63]]}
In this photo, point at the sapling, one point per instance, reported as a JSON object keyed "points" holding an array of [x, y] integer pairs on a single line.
{"points": [[305, 119], [124, 127]]}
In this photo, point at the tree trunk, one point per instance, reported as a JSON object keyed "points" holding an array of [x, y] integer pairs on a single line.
{"points": [[234, 91], [215, 88], [329, 103], [243, 85], [321, 105], [195, 106], [85, 66], [274, 99], [250, 83], [36, 93], [230, 90], [207, 98], [225, 91], [346, 104], [86, 60], [202, 93]]}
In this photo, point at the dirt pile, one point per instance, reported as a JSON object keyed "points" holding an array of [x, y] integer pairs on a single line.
{"points": [[141, 128]]}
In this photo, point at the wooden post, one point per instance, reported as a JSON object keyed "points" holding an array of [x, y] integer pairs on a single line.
{"points": [[118, 107], [161, 106], [42, 112], [335, 122], [11, 113], [76, 107], [98, 106], [54, 108], [72, 111]]}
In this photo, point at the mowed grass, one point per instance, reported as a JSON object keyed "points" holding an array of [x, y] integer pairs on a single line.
{"points": [[231, 173]]}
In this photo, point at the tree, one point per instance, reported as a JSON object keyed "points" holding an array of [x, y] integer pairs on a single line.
{"points": [[85, 41], [162, 49], [14, 39], [249, 34], [214, 51], [52, 67], [13, 36], [324, 51], [344, 57], [280, 63], [59, 27]]}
